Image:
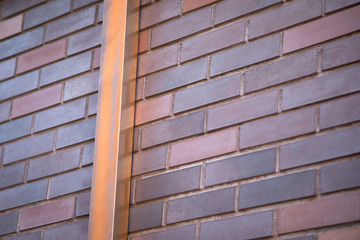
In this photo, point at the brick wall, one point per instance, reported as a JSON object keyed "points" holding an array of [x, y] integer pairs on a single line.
{"points": [[247, 120], [49, 71]]}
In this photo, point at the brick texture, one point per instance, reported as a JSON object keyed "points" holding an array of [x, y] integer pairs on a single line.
{"points": [[11, 26], [153, 109], [19, 85], [85, 40], [352, 233], [144, 41], [179, 233], [145, 216], [8, 222], [4, 111], [81, 85], [7, 68], [77, 230], [96, 62], [88, 154], [12, 175], [149, 160], [190, 5], [27, 236], [159, 12], [332, 5], [83, 204], [15, 129], [11, 7]]}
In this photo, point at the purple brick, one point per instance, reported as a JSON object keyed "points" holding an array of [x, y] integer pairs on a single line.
{"points": [[77, 230], [83, 204], [8, 222], [332, 5], [145, 216], [12, 175], [93, 104], [100, 12], [15, 129], [4, 111], [82, 3], [159, 12], [82, 85], [7, 69], [88, 154], [149, 160], [27, 236], [178, 233], [11, 7], [85, 40]]}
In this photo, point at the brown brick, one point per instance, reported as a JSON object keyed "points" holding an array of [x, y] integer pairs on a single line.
{"points": [[285, 125], [8, 222], [26, 236], [21, 84], [11, 7], [332, 5], [149, 160], [337, 83], [50, 212], [240, 167], [12, 175], [231, 59], [83, 204], [320, 148], [178, 233], [85, 40], [319, 213], [212, 145], [207, 93], [213, 40], [11, 26], [145, 216], [7, 68], [322, 30], [15, 129], [5, 111], [153, 109], [242, 110], [184, 26], [88, 154], [81, 85], [96, 60], [36, 101], [144, 41], [176, 128], [249, 226], [190, 5], [200, 205], [77, 230], [350, 233], [159, 12]]}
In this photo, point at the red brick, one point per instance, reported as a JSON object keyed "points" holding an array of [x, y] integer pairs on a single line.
{"points": [[85, 40], [200, 205], [12, 175], [320, 148], [145, 216], [212, 145], [83, 204], [319, 213], [36, 101], [351, 233], [8, 222], [96, 59], [153, 109], [285, 125], [5, 111], [149, 160], [176, 128], [322, 30], [159, 12], [144, 41], [190, 5], [11, 26], [47, 213], [242, 110], [77, 230], [178, 233], [332, 5], [184, 26]]}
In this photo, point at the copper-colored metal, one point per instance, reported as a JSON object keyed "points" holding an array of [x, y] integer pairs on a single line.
{"points": [[109, 209]]}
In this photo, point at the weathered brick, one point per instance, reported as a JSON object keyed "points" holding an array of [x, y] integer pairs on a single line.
{"points": [[322, 30], [212, 145], [159, 12], [85, 40], [176, 77], [178, 233], [25, 148], [176, 128], [278, 189], [149, 160], [4, 111], [319, 213], [11, 7], [157, 60], [144, 41], [46, 12], [70, 23], [249, 226], [70, 182], [82, 3], [207, 93], [337, 83], [242, 110], [190, 5], [240, 167], [88, 154], [100, 15], [184, 26], [11, 26], [231, 59], [190, 207], [140, 89], [153, 109], [12, 175], [351, 233], [230, 9], [82, 85], [50, 212], [284, 70], [285, 125], [8, 222], [15, 129], [96, 61], [332, 5], [77, 230], [145, 216], [285, 16], [36, 101], [24, 194], [93, 103], [320, 148], [54, 163], [212, 41], [83, 204], [7, 68], [75, 133], [65, 68], [21, 43], [171, 183], [19, 85], [26, 236]]}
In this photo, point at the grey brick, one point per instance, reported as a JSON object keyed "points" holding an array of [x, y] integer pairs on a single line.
{"points": [[8, 222], [24, 194], [83, 204], [100, 13], [81, 3], [93, 103], [7, 69], [21, 43], [19, 85], [145, 216], [12, 175], [11, 7], [4, 111], [65, 68], [46, 12], [27, 236], [25, 148], [75, 133], [77, 230], [88, 154], [332, 5], [15, 129], [85, 40], [82, 85]]}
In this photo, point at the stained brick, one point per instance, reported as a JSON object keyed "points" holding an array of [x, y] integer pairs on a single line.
{"points": [[4, 111], [36, 101], [176, 77], [351, 233], [159, 12], [47, 213], [88, 154], [100, 15], [153, 109], [190, 5], [313, 90], [85, 40], [15, 129], [25, 148], [249, 226], [207, 93], [200, 205], [82, 85], [75, 133], [8, 222], [83, 204], [70, 182], [320, 148], [93, 103], [22, 195], [12, 175], [26, 236], [11, 7], [19, 85], [140, 89], [145, 216], [322, 30], [332, 5], [7, 68], [65, 68], [240, 167], [231, 59], [319, 213], [54, 163], [278, 127], [284, 70], [144, 41], [96, 61], [242, 110], [149, 160], [77, 230], [178, 233], [11, 26], [211, 145], [82, 3]]}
